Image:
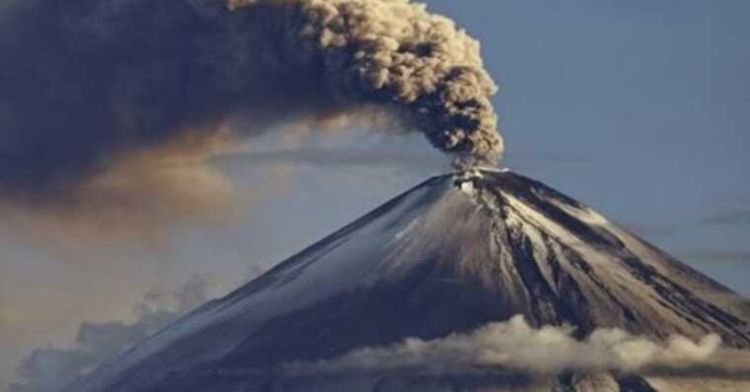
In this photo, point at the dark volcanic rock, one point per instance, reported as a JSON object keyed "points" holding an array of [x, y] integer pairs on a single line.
{"points": [[450, 255]]}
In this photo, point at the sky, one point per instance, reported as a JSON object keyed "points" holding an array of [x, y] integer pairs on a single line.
{"points": [[639, 109]]}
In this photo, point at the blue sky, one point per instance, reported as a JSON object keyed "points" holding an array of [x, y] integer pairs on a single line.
{"points": [[638, 108]]}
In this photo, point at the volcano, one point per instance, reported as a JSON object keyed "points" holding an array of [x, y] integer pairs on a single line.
{"points": [[451, 255]]}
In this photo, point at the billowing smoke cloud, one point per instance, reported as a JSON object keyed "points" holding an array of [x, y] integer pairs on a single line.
{"points": [[516, 346], [51, 369], [96, 89]]}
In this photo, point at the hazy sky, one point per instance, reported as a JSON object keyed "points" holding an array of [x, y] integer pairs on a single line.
{"points": [[638, 108]]}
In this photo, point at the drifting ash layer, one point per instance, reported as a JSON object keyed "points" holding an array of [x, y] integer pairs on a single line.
{"points": [[449, 256]]}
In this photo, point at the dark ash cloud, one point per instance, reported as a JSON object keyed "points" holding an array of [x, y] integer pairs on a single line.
{"points": [[87, 85]]}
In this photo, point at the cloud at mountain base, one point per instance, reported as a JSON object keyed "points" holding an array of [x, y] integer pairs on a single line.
{"points": [[516, 346]]}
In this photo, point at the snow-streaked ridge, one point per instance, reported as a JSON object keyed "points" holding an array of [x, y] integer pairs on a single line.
{"points": [[514, 242]]}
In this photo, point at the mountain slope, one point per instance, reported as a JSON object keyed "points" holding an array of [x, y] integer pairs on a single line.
{"points": [[452, 254]]}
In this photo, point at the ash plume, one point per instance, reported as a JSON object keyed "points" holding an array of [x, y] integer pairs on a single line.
{"points": [[87, 85]]}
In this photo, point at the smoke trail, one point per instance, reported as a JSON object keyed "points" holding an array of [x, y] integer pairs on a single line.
{"points": [[338, 157], [88, 84]]}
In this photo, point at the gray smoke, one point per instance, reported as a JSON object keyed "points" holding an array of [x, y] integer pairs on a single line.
{"points": [[51, 369], [87, 84]]}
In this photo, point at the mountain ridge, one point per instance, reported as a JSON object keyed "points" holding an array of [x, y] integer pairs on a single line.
{"points": [[453, 253]]}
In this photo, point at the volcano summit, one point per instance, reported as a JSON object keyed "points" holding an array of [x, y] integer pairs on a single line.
{"points": [[453, 259]]}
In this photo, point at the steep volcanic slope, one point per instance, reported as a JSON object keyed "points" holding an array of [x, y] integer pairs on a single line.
{"points": [[452, 254]]}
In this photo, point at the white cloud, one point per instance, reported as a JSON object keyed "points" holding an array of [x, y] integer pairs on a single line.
{"points": [[514, 345], [50, 369]]}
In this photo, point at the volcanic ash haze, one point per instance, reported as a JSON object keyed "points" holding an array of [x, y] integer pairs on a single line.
{"points": [[482, 282], [87, 84]]}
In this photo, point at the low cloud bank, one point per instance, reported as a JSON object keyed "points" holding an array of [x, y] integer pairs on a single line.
{"points": [[514, 345], [50, 369]]}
